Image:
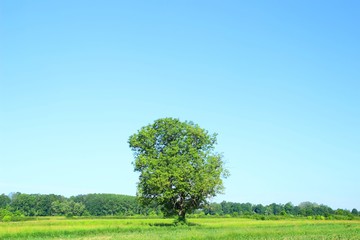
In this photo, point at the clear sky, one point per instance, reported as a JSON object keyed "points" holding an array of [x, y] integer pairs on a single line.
{"points": [[279, 81]]}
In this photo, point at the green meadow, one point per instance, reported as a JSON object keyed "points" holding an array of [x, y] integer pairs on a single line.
{"points": [[204, 228]]}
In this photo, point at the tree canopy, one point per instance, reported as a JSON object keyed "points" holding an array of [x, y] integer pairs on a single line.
{"points": [[179, 168]]}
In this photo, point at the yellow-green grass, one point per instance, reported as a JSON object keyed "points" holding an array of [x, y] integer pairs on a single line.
{"points": [[205, 228]]}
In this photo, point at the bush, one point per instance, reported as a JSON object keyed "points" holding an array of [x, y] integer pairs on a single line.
{"points": [[318, 217], [6, 218], [343, 217], [86, 214], [4, 212]]}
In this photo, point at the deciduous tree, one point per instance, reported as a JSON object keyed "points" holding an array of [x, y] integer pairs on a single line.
{"points": [[179, 168]]}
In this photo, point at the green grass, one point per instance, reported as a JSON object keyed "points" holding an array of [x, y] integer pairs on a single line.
{"points": [[205, 228]]}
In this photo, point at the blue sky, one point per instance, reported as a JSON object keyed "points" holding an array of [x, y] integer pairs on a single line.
{"points": [[278, 81]]}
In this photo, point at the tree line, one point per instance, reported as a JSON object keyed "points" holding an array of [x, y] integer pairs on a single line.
{"points": [[17, 206], [305, 209]]}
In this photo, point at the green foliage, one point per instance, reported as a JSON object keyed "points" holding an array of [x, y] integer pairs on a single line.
{"points": [[319, 217], [4, 201], [4, 212], [81, 205], [110, 204], [179, 169], [6, 215], [68, 208], [274, 209], [6, 218], [354, 211], [18, 216], [122, 206], [288, 210], [34, 204], [213, 209], [259, 209]]}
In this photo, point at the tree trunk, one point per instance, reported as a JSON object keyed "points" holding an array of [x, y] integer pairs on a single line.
{"points": [[181, 216]]}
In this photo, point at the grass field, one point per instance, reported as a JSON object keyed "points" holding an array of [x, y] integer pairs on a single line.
{"points": [[206, 228]]}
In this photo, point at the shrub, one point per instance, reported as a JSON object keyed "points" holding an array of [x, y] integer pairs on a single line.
{"points": [[6, 218], [4, 212], [318, 217]]}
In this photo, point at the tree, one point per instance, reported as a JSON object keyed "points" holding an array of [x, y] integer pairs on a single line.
{"points": [[4, 201], [34, 204], [259, 209], [307, 208], [289, 208], [355, 211], [109, 204], [179, 168], [68, 208], [275, 209], [213, 209]]}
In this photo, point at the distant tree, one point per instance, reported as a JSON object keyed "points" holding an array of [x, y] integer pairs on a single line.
{"points": [[60, 208], [339, 211], [68, 208], [343, 212], [76, 209], [296, 211], [34, 204], [213, 209], [25, 203], [354, 211], [44, 203], [325, 211], [289, 208], [245, 208], [307, 208], [226, 207], [179, 169], [274, 209], [4, 201], [18, 205], [110, 204], [259, 209]]}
